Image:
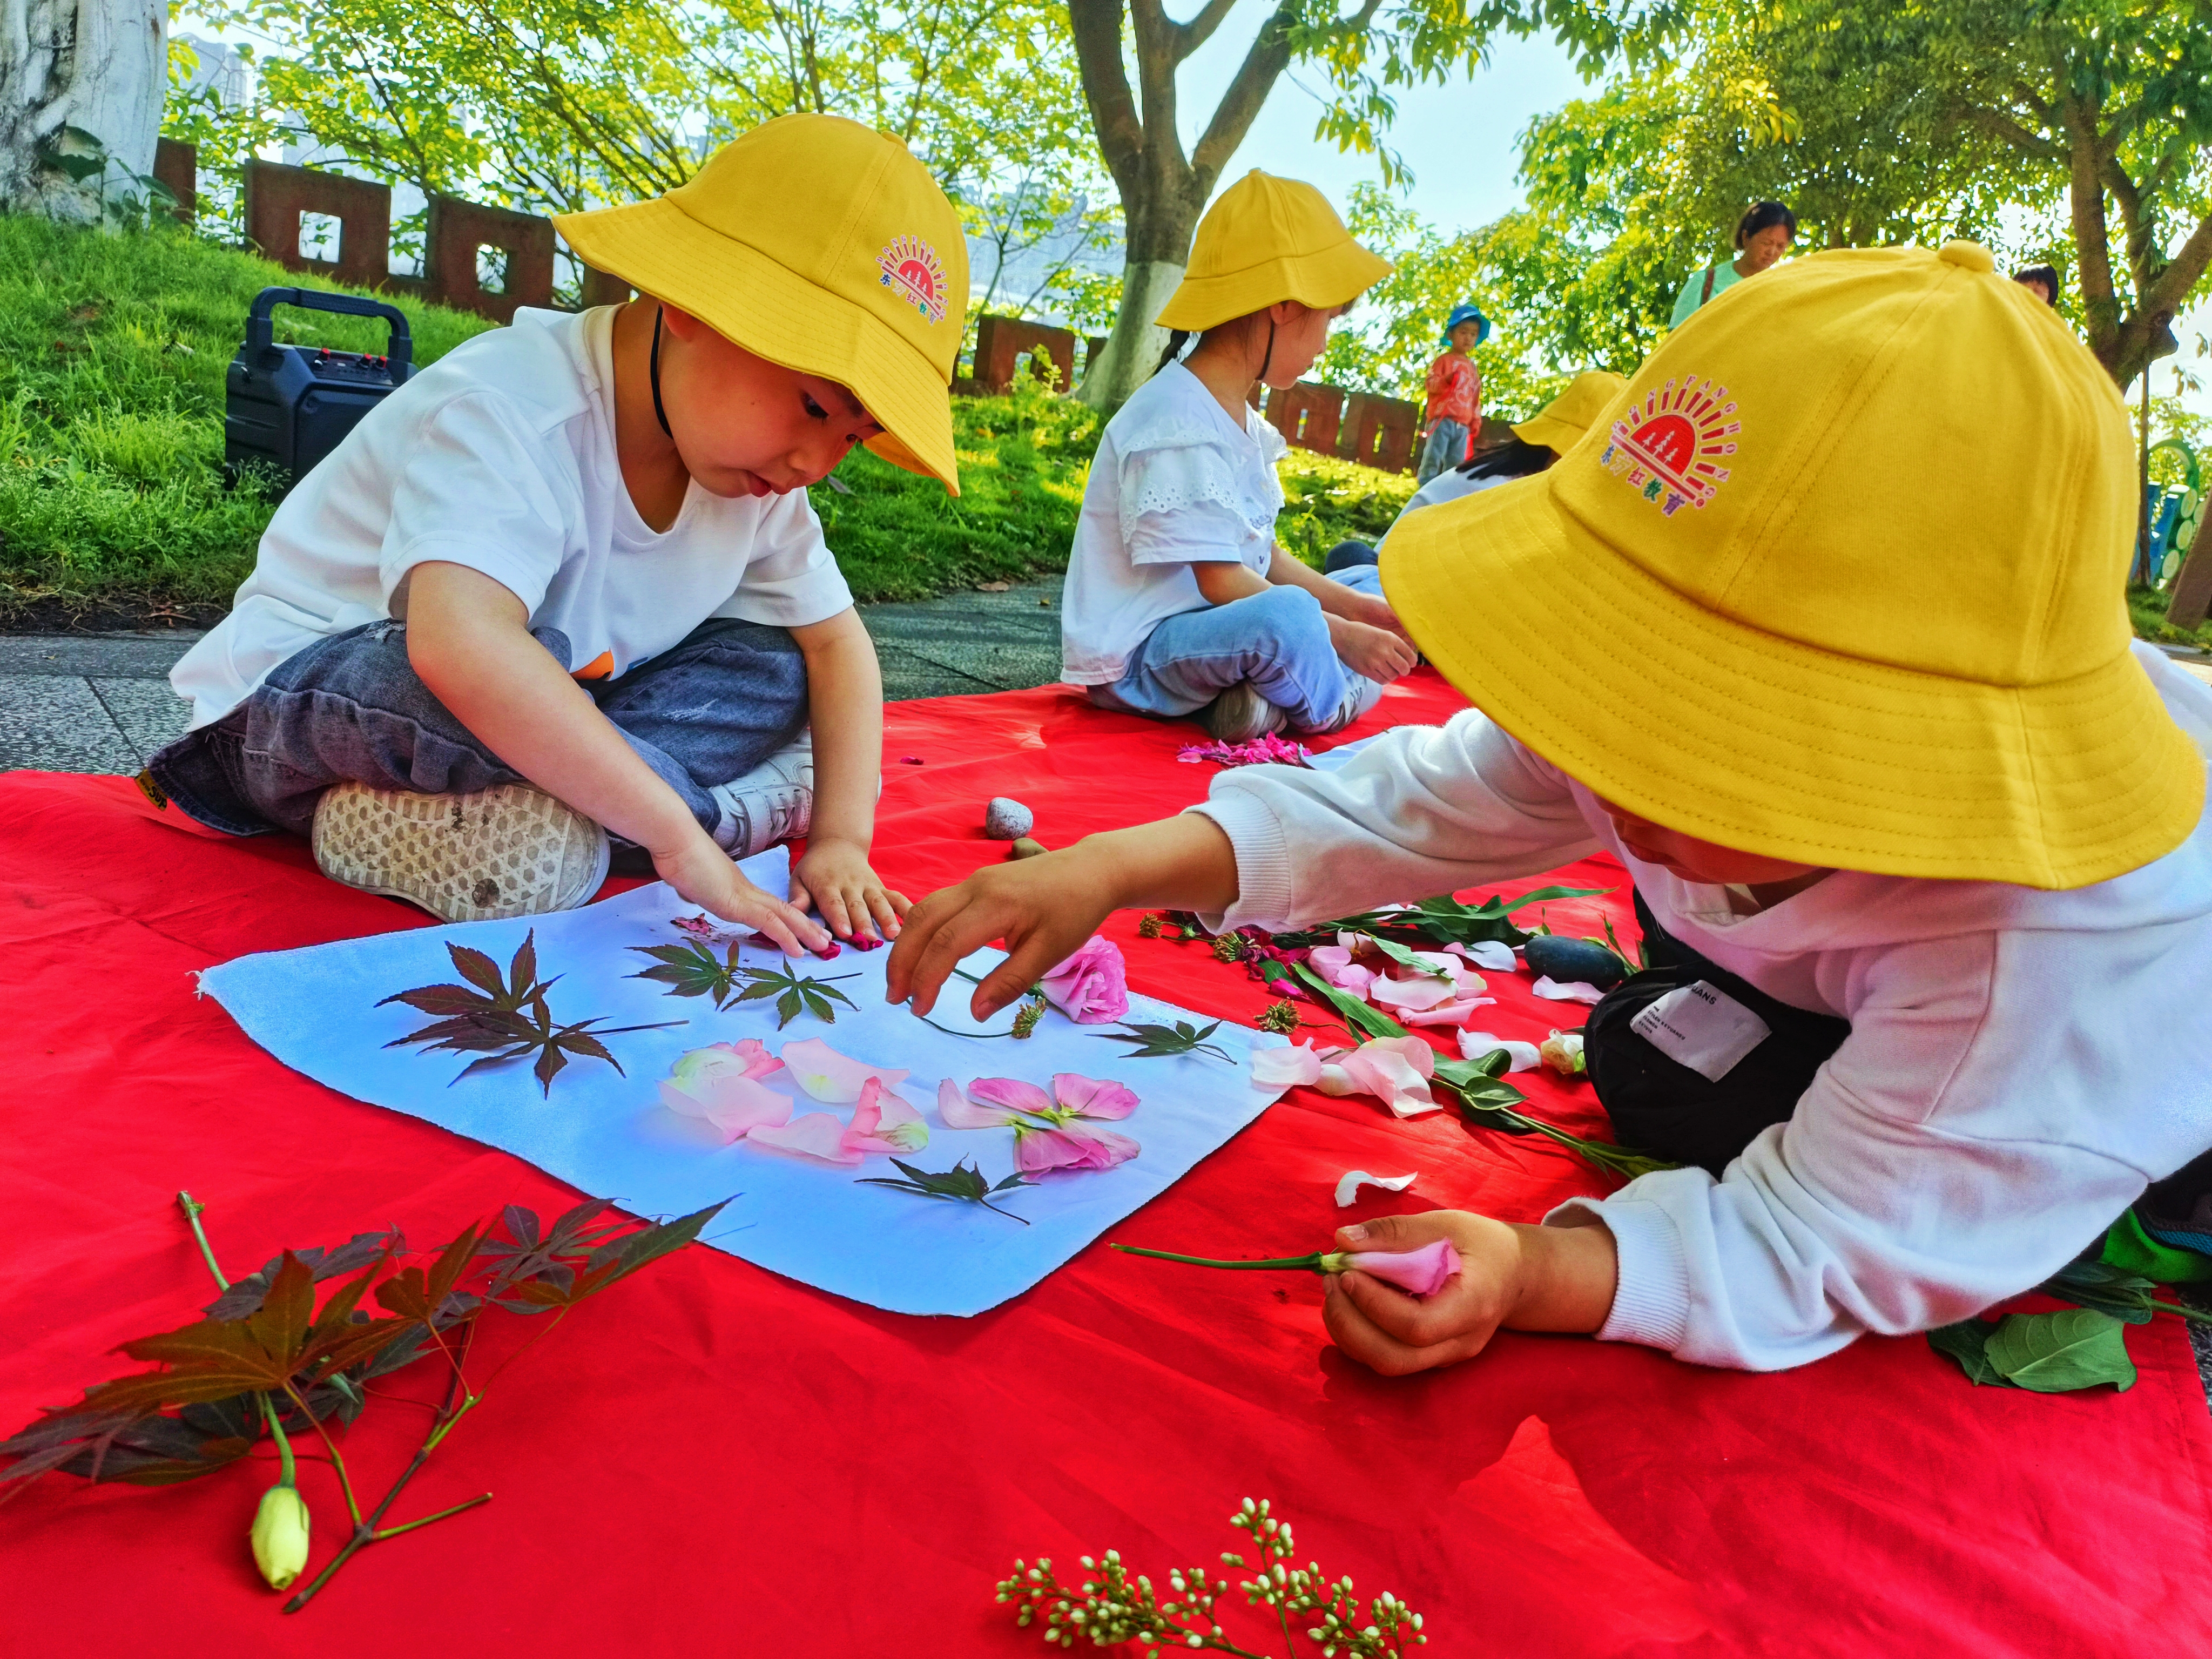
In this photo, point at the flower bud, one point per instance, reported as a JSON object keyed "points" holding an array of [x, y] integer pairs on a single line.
{"points": [[280, 1536], [1563, 1052]]}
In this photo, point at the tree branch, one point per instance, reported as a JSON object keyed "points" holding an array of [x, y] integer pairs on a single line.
{"points": [[1191, 36], [2092, 250], [2002, 126], [1256, 78]]}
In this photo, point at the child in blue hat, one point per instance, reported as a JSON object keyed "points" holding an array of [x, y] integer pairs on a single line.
{"points": [[1454, 408]]}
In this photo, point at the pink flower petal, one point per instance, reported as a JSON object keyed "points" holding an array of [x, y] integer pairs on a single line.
{"points": [[1413, 993], [748, 1057], [1423, 1271], [734, 1104], [816, 1135], [1552, 990], [1011, 1093], [961, 1113], [1038, 1150], [1395, 1071], [1091, 986], [1091, 1096], [1286, 1068], [1333, 962], [1493, 954], [1519, 1056], [828, 1075], [1349, 1183], [884, 1121]]}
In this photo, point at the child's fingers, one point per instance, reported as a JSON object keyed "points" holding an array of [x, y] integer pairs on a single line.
{"points": [[832, 905], [940, 932], [1400, 1232], [1351, 1312], [883, 907]]}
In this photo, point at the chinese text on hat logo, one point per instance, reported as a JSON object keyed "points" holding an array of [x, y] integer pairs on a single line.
{"points": [[1668, 445], [910, 270]]}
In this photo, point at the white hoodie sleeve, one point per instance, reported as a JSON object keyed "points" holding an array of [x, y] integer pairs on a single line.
{"points": [[1423, 809]]}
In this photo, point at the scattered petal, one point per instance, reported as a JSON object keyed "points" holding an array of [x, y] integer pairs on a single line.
{"points": [[1093, 1098], [1412, 994], [1011, 1093], [1036, 1150], [909, 760], [1494, 954], [1445, 1013], [1578, 990], [961, 1113], [1394, 1070], [735, 1105], [816, 1135], [1286, 1068], [747, 1057], [1519, 1056], [830, 1076], [1333, 962], [1349, 1183], [884, 1121]]}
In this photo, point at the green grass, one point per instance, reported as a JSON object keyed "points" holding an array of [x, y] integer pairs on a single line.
{"points": [[112, 349], [2146, 607]]}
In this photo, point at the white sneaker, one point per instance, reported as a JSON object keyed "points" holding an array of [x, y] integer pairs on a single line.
{"points": [[510, 850], [1240, 714], [773, 802], [1364, 695]]}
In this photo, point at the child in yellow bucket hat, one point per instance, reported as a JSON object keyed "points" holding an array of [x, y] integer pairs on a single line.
{"points": [[567, 581], [1178, 599], [1823, 639]]}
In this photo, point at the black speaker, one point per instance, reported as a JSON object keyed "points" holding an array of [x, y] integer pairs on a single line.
{"points": [[285, 407]]}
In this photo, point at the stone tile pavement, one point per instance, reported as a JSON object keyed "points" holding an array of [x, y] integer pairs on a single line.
{"points": [[102, 703]]}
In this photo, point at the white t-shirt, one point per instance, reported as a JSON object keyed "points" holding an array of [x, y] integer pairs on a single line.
{"points": [[1176, 481], [501, 456], [2021, 1063], [1446, 486]]}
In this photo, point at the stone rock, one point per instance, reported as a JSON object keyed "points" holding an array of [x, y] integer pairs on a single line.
{"points": [[1007, 820]]}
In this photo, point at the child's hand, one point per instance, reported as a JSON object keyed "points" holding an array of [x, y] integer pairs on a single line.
{"points": [[702, 874], [835, 876], [1532, 1279], [1376, 653], [1042, 908], [1375, 612]]}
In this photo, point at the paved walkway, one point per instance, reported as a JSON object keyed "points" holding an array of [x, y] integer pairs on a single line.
{"points": [[102, 703]]}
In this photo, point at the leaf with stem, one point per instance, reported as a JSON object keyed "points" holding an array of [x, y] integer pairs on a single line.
{"points": [[1165, 1042], [963, 1182], [793, 993]]}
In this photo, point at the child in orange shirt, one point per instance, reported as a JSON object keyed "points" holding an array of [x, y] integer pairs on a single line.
{"points": [[1455, 407]]}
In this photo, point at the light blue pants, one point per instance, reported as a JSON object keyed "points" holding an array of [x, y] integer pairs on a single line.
{"points": [[1445, 449], [1278, 639]]}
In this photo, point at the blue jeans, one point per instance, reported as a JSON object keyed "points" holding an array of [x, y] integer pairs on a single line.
{"points": [[1445, 449], [1278, 639], [351, 708]]}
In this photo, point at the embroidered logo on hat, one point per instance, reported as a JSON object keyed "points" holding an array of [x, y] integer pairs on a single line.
{"points": [[911, 270], [1665, 446]]}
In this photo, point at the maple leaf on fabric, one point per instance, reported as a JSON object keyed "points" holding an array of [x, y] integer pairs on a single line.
{"points": [[504, 1017], [794, 993], [1165, 1042], [963, 1182], [691, 970]]}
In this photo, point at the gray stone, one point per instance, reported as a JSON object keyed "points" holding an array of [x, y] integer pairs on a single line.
{"points": [[1006, 819]]}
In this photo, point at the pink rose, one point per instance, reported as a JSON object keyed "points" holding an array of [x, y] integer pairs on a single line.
{"points": [[1423, 1271], [1091, 986]]}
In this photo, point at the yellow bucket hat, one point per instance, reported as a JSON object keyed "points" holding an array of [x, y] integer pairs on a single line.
{"points": [[1841, 584], [1264, 239], [821, 245], [1562, 422]]}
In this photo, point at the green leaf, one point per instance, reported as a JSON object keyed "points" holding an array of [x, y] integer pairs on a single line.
{"points": [[787, 1009], [1968, 1342], [2059, 1352], [1357, 1014]]}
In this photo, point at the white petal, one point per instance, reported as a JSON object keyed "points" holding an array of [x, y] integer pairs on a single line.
{"points": [[1574, 991], [1493, 954], [1349, 1183], [1519, 1056]]}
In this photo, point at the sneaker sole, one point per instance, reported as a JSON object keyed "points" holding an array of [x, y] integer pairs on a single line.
{"points": [[508, 851]]}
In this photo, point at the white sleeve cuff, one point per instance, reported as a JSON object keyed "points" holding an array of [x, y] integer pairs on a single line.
{"points": [[1651, 1298], [1264, 881]]}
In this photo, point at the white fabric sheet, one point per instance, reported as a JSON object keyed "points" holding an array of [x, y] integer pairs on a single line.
{"points": [[607, 1133]]}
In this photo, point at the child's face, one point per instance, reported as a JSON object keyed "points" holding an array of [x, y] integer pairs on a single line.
{"points": [[1301, 332], [1464, 337], [1699, 861], [745, 426]]}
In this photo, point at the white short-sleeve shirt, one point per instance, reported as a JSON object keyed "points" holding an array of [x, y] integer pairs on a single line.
{"points": [[1176, 482], [501, 457]]}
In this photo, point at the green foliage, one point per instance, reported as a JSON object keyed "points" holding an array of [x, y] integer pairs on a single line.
{"points": [[504, 1017], [962, 1183], [112, 349], [2056, 1352], [1165, 1042]]}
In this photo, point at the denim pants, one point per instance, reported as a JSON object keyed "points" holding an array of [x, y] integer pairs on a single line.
{"points": [[1278, 639], [351, 708], [1445, 449]]}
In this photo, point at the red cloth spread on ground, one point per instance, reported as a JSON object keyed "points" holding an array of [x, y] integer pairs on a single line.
{"points": [[709, 1456]]}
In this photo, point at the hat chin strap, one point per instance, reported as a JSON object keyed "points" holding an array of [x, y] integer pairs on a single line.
{"points": [[1269, 356], [653, 373]]}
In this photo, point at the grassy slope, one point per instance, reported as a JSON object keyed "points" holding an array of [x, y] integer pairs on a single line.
{"points": [[112, 357]]}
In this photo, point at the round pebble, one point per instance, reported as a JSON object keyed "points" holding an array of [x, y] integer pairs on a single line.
{"points": [[1569, 960], [1007, 820]]}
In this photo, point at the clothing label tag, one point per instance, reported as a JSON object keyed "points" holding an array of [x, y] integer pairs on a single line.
{"points": [[1702, 1027]]}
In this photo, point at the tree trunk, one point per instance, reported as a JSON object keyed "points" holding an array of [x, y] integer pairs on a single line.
{"points": [[79, 78], [1163, 193]]}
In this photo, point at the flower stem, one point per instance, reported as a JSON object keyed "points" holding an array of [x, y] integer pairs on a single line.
{"points": [[409, 1526], [192, 1207], [1318, 1262]]}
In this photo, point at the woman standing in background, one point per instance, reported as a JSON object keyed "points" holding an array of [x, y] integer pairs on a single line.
{"points": [[1762, 236]]}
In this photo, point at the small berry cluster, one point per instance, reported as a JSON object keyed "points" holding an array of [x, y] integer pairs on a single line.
{"points": [[1113, 1608]]}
